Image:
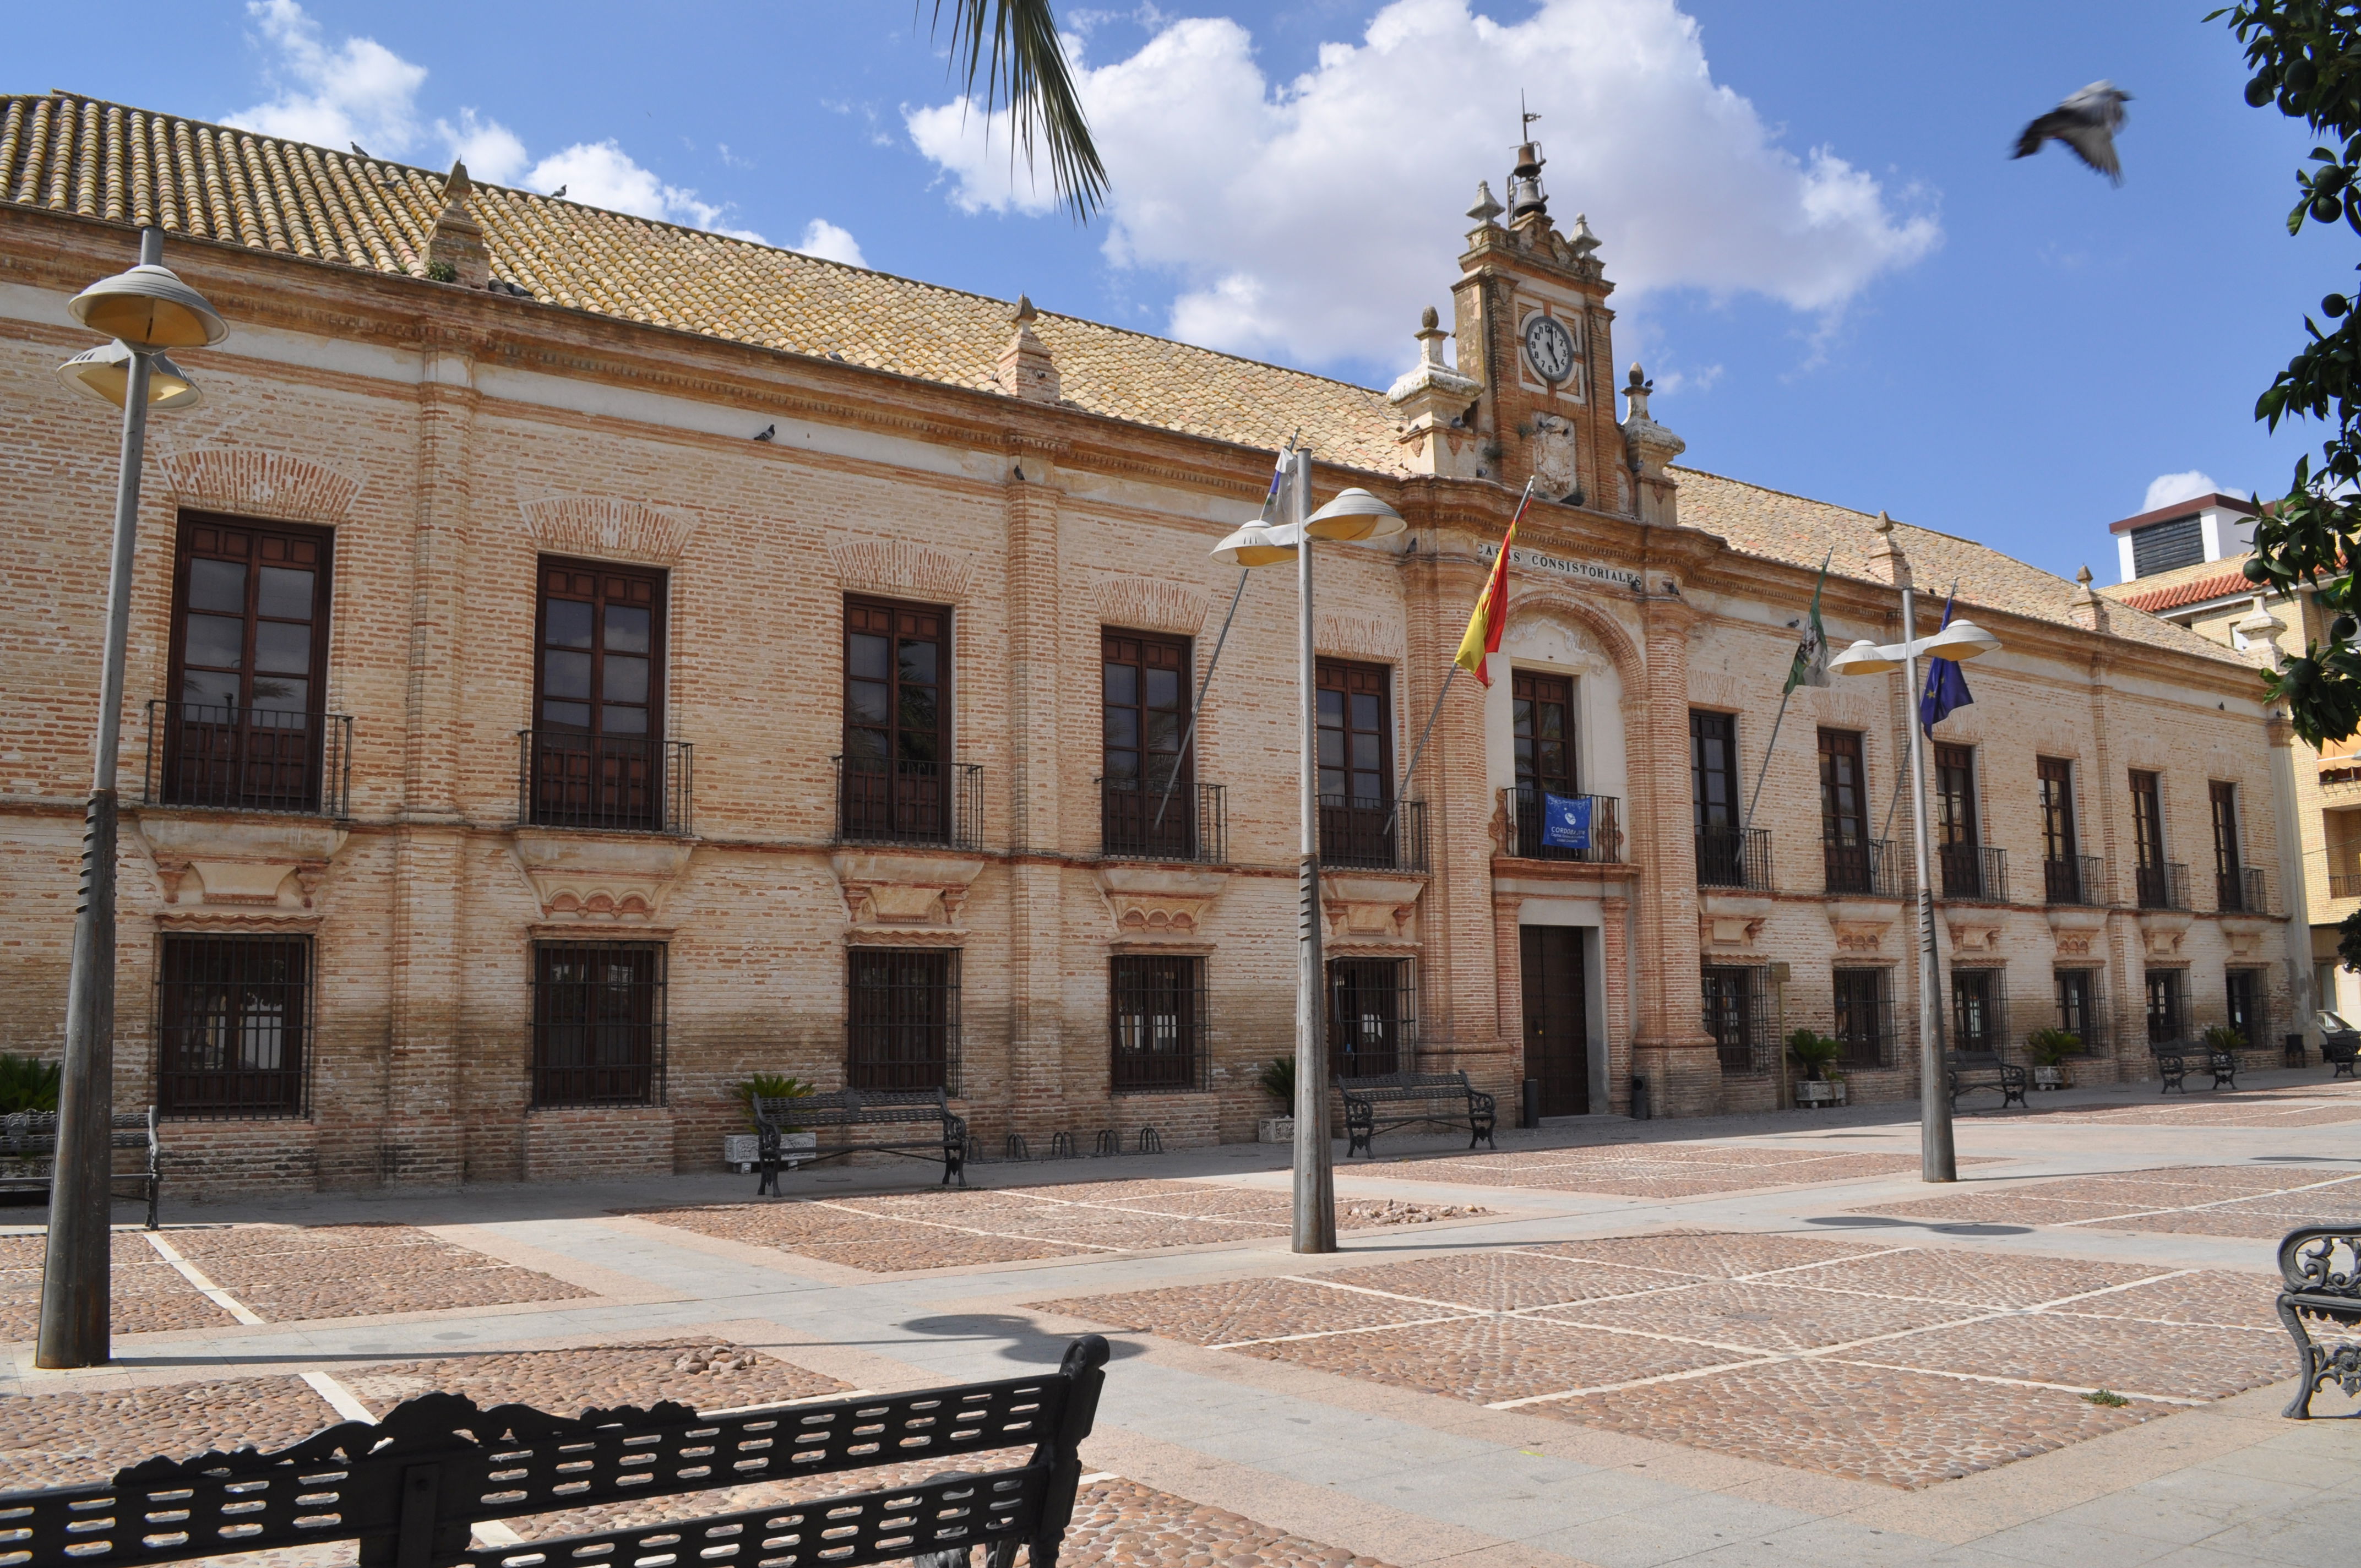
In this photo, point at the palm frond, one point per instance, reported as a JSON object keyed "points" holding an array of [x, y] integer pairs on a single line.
{"points": [[1012, 46]]}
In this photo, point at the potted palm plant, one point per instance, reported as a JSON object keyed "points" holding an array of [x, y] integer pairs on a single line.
{"points": [[740, 1151], [1277, 1080], [1817, 1055], [2048, 1050]]}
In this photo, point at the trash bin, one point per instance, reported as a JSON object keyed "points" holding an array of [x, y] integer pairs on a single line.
{"points": [[1530, 1111], [1638, 1099]]}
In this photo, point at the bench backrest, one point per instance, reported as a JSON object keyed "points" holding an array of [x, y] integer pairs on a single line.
{"points": [[1456, 1082], [33, 1134], [1974, 1061], [409, 1486], [846, 1107], [2323, 1262]]}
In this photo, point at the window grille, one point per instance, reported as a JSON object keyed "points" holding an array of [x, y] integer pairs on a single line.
{"points": [[1739, 1004], [902, 1018], [1864, 1016], [2167, 1007], [1979, 1009], [233, 1027], [2080, 999], [2247, 998], [1156, 1023], [598, 1024], [1372, 1017]]}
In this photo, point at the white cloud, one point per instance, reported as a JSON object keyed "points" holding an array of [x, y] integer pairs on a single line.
{"points": [[2166, 488], [359, 90], [1314, 217], [830, 243]]}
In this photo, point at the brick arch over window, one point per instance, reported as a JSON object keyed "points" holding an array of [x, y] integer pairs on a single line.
{"points": [[608, 528], [1602, 630], [255, 482]]}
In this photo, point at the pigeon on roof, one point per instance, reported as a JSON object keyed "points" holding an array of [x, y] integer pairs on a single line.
{"points": [[2087, 123], [558, 194], [360, 151]]}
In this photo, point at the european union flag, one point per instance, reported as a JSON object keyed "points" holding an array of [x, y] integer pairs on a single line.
{"points": [[1946, 688], [1566, 821]]}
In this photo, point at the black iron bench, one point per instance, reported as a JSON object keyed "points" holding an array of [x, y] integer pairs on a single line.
{"points": [[863, 1107], [1970, 1070], [2320, 1275], [2176, 1061], [1426, 1099], [408, 1488], [2340, 1054], [28, 1153]]}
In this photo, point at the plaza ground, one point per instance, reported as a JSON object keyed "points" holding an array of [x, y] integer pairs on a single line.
{"points": [[1738, 1341]]}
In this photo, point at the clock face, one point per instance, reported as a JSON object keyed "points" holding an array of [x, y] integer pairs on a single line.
{"points": [[1550, 347]]}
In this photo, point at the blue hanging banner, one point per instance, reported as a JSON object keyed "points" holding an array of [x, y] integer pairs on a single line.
{"points": [[1566, 821]]}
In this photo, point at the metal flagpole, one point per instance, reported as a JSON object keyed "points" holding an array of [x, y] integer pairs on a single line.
{"points": [[1755, 799], [1215, 662], [1938, 1158], [1315, 1178]]}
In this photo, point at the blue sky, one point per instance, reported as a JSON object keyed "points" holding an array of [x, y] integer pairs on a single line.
{"points": [[1841, 283]]}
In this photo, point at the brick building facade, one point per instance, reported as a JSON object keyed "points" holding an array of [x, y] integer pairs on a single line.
{"points": [[578, 662]]}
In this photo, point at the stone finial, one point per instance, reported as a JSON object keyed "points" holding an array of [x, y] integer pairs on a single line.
{"points": [[1582, 239], [1025, 369], [2086, 608], [1652, 448], [1486, 208], [1434, 402], [2261, 629], [1885, 556], [457, 240]]}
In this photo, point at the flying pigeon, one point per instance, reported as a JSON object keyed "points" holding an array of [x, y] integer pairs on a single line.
{"points": [[2087, 123], [558, 194], [360, 151], [768, 433]]}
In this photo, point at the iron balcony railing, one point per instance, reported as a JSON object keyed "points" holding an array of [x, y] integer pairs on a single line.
{"points": [[909, 803], [1865, 867], [2163, 886], [625, 784], [1373, 834], [1193, 825], [1972, 873], [2077, 879], [2242, 892], [1528, 826], [248, 759], [1734, 857]]}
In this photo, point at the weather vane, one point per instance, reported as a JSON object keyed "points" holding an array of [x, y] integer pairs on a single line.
{"points": [[1524, 131]]}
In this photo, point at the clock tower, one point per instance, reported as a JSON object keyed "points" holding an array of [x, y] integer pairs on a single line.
{"points": [[1535, 335]]}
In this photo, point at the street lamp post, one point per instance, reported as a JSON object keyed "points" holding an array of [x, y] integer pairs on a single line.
{"points": [[1356, 516], [1960, 641], [146, 310]]}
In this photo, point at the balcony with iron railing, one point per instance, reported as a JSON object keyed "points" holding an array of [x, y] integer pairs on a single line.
{"points": [[1972, 873], [1865, 867], [2242, 892], [1139, 821], [909, 803], [1734, 857], [2162, 885], [1586, 826], [248, 759], [2075, 879], [1372, 834], [618, 784]]}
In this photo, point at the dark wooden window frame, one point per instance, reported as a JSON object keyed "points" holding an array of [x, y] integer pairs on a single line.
{"points": [[1156, 1023], [2147, 820], [589, 773], [1703, 771], [2221, 797], [2167, 1024], [1529, 691], [1860, 990], [224, 1003], [244, 753], [2079, 1014], [2054, 780]]}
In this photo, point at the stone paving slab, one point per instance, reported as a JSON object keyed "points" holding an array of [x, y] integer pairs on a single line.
{"points": [[68, 1439], [1493, 1357], [291, 1273], [1758, 1316], [705, 1375], [1650, 1172], [2260, 1202], [2125, 1355], [147, 1293]]}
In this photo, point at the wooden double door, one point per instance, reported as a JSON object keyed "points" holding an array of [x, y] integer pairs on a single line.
{"points": [[1557, 1017]]}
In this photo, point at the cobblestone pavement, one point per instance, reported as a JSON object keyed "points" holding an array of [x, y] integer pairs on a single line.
{"points": [[1650, 1171], [1905, 1366], [147, 1293], [2309, 1106], [67, 1438], [2199, 1200], [705, 1375], [941, 1228]]}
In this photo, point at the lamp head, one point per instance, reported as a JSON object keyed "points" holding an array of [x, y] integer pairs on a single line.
{"points": [[105, 373], [149, 307], [1258, 543], [1961, 639], [1356, 515], [1863, 658]]}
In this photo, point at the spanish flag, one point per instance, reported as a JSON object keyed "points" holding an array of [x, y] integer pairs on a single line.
{"points": [[1491, 617]]}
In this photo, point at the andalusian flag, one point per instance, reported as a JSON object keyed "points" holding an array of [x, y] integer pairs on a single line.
{"points": [[1810, 665], [1491, 617]]}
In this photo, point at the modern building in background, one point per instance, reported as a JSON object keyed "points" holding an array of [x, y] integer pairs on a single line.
{"points": [[578, 662]]}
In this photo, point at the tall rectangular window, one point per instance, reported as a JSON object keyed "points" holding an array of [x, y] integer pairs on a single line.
{"points": [[2229, 878], [2147, 841], [244, 728], [1147, 806], [1979, 1002], [1542, 725], [2247, 992], [598, 736], [599, 1023], [1372, 1017], [1864, 1015], [2167, 1007], [1958, 841], [902, 1018], [1356, 785], [2061, 863], [1844, 828], [2078, 1005], [896, 781], [1713, 799], [1157, 1022], [234, 1026], [1734, 999]]}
